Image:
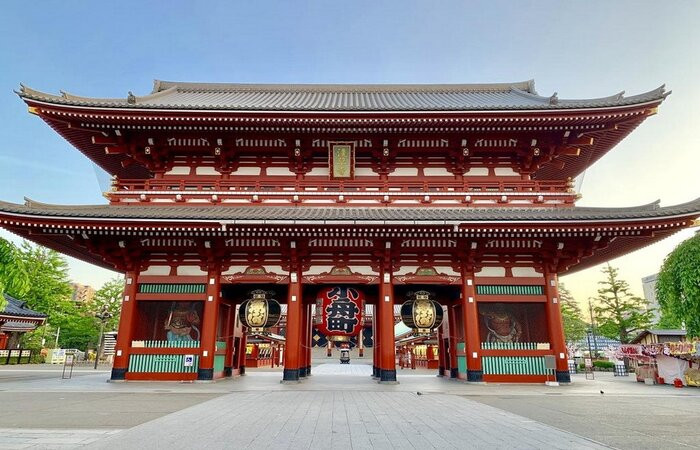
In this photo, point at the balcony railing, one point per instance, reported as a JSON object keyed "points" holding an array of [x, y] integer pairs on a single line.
{"points": [[351, 192]]}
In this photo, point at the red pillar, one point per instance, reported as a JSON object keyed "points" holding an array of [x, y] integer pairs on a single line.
{"points": [[375, 341], [230, 323], [360, 346], [242, 352], [472, 339], [126, 327], [441, 351], [292, 355], [555, 326], [304, 337], [209, 323], [452, 336], [309, 337], [387, 349]]}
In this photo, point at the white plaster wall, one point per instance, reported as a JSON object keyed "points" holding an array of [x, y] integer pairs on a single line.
{"points": [[365, 172], [505, 172], [437, 171], [279, 171], [491, 271], [477, 172], [206, 170], [319, 171], [156, 270], [525, 272], [247, 171], [179, 170], [404, 172], [190, 270]]}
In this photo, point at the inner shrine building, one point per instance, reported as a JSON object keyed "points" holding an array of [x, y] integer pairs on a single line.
{"points": [[464, 192]]}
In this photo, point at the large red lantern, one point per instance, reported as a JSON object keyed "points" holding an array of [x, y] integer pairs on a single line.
{"points": [[341, 312]]}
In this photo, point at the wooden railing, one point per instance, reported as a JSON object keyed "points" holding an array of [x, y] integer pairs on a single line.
{"points": [[370, 192], [357, 185]]}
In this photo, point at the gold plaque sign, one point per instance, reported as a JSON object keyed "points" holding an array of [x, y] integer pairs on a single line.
{"points": [[342, 160]]}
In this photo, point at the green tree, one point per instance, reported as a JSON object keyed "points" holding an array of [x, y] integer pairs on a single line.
{"points": [[109, 297], [13, 276], [619, 313], [49, 290], [678, 285], [574, 325]]}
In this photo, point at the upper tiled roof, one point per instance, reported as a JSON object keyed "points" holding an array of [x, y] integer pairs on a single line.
{"points": [[344, 97], [18, 308], [334, 214]]}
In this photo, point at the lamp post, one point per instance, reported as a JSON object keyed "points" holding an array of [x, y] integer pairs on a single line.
{"points": [[103, 316]]}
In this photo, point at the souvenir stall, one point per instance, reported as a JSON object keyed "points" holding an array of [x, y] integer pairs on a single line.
{"points": [[674, 363]]}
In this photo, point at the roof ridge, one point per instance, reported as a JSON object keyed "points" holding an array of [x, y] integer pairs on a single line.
{"points": [[161, 85]]}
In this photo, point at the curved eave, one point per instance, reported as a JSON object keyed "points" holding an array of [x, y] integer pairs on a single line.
{"points": [[607, 127], [318, 215], [403, 103], [630, 228]]}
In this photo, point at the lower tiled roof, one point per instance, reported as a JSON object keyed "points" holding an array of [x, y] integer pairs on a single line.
{"points": [[370, 214], [18, 308]]}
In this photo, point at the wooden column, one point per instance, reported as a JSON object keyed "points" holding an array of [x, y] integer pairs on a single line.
{"points": [[242, 352], [230, 323], [441, 351], [302, 343], [452, 325], [556, 327], [375, 342], [472, 339], [387, 349], [126, 326], [209, 323], [309, 338], [360, 346], [292, 357]]}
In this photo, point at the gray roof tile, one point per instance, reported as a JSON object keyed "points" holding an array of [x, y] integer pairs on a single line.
{"points": [[344, 97], [18, 308], [370, 214]]}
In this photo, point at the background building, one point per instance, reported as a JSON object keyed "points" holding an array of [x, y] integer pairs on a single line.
{"points": [[82, 293]]}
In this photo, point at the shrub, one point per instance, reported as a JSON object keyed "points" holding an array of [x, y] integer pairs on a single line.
{"points": [[605, 365]]}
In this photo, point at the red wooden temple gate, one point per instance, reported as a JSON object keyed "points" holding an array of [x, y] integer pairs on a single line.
{"points": [[462, 190]]}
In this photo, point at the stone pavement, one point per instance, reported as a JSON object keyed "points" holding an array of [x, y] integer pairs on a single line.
{"points": [[36, 438], [340, 404], [342, 420]]}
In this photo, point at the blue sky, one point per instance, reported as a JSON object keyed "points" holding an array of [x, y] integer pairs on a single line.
{"points": [[579, 49]]}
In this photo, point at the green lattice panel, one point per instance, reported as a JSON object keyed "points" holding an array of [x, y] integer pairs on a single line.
{"points": [[162, 364], [509, 289], [461, 360], [513, 365], [172, 288]]}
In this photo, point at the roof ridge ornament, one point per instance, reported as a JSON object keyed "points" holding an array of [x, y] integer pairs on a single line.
{"points": [[131, 98], [553, 100]]}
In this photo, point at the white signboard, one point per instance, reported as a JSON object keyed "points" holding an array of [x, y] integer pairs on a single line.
{"points": [[58, 356], [189, 360]]}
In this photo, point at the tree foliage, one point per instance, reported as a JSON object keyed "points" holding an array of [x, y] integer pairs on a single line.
{"points": [[108, 297], [574, 325], [678, 285], [48, 290], [619, 313], [13, 276]]}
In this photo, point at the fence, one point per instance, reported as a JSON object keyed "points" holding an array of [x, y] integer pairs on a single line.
{"points": [[15, 356]]}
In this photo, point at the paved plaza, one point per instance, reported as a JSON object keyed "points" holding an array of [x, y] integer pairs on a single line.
{"points": [[339, 406]]}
